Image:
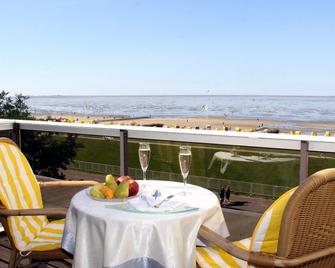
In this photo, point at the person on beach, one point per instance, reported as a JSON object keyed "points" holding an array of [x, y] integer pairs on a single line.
{"points": [[226, 200], [222, 196]]}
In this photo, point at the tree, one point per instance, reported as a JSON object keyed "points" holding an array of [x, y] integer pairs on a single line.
{"points": [[14, 108], [47, 153]]}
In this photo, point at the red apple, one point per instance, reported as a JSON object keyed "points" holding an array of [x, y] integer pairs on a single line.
{"points": [[121, 179], [133, 185]]}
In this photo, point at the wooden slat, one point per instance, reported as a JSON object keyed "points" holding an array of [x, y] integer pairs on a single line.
{"points": [[4, 254], [59, 196], [4, 242], [59, 264], [3, 264]]}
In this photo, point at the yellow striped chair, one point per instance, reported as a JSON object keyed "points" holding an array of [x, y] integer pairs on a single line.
{"points": [[264, 238], [22, 214], [297, 230]]}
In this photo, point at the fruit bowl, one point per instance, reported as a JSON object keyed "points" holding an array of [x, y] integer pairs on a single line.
{"points": [[120, 190], [113, 200]]}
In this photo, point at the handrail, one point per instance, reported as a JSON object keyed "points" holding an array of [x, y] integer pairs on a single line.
{"points": [[6, 124], [252, 139]]}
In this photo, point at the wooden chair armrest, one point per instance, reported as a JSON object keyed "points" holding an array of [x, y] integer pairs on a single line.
{"points": [[283, 262], [259, 258], [61, 183], [33, 212], [207, 235]]}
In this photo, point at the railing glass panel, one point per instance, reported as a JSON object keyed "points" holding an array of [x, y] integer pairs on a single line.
{"points": [[320, 160], [247, 170]]}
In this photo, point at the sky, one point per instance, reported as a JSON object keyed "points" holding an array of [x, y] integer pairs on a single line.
{"points": [[167, 47]]}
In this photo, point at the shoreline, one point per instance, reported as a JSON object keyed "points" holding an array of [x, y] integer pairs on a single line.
{"points": [[210, 122]]}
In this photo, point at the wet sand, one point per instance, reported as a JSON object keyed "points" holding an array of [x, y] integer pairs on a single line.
{"points": [[214, 123]]}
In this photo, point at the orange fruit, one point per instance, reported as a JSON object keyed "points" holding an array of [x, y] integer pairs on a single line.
{"points": [[107, 192]]}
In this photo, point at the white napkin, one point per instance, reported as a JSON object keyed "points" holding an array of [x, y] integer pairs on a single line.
{"points": [[146, 203]]}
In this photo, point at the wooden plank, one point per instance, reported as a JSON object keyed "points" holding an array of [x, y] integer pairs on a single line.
{"points": [[4, 253], [59, 196], [59, 264], [4, 242], [3, 264]]}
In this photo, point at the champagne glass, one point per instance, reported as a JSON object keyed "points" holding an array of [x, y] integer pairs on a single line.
{"points": [[185, 159], [144, 157]]}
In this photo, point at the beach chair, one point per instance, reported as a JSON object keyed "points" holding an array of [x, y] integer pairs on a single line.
{"points": [[31, 234], [297, 230]]}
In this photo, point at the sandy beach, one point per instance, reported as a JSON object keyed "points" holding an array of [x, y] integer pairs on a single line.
{"points": [[212, 122]]}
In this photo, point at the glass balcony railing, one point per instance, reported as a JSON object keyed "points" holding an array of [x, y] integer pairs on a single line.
{"points": [[250, 163]]}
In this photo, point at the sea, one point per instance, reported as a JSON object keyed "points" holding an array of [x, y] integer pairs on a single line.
{"points": [[284, 108]]}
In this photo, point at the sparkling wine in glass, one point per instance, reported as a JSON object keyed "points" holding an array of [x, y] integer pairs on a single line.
{"points": [[185, 159], [144, 157]]}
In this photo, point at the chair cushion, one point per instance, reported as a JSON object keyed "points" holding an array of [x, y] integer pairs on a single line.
{"points": [[266, 233], [208, 257], [19, 189], [49, 238], [264, 238]]}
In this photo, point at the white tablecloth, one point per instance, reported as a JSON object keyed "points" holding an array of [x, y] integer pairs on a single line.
{"points": [[100, 236]]}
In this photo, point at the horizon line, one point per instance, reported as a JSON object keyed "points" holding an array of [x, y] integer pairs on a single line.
{"points": [[172, 95]]}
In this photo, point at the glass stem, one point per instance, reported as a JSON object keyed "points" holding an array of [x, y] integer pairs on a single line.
{"points": [[185, 180], [144, 175]]}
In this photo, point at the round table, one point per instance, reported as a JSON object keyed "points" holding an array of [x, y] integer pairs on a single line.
{"points": [[100, 236]]}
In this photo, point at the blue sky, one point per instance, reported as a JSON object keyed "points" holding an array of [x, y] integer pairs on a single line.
{"points": [[167, 47]]}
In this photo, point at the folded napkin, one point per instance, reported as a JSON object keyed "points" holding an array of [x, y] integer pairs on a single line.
{"points": [[147, 203]]}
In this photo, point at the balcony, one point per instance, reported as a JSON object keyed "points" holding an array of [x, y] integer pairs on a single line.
{"points": [[258, 167]]}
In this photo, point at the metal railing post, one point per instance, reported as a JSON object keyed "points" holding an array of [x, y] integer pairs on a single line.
{"points": [[303, 161], [123, 152], [17, 134]]}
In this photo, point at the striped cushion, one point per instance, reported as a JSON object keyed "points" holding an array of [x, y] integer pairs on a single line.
{"points": [[208, 257], [19, 189], [264, 238], [266, 233], [49, 238]]}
